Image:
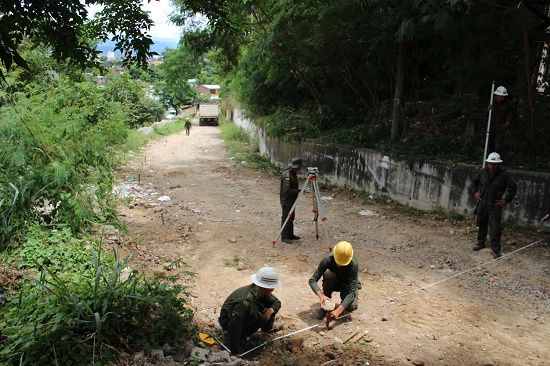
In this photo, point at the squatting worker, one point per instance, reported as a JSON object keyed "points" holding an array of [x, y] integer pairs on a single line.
{"points": [[288, 194], [250, 308], [502, 115], [494, 188], [340, 272]]}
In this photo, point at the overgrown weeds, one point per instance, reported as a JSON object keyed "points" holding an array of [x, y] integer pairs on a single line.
{"points": [[243, 148], [93, 318]]}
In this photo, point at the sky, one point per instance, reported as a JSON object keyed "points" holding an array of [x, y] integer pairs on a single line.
{"points": [[163, 29]]}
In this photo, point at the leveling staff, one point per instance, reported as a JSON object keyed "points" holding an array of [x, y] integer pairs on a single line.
{"points": [[288, 194]]}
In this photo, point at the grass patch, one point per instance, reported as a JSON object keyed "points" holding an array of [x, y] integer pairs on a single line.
{"points": [[244, 148]]}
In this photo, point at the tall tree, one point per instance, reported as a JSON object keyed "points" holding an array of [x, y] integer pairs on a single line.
{"points": [[65, 29]]}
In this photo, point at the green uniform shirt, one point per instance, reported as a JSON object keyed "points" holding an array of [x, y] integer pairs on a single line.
{"points": [[242, 311], [502, 186], [348, 277], [289, 187]]}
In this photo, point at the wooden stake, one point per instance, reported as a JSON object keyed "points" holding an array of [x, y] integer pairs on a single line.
{"points": [[350, 336], [357, 338]]}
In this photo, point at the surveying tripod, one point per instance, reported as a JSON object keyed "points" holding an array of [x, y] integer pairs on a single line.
{"points": [[317, 206]]}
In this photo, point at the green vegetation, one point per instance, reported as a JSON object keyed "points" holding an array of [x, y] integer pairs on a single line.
{"points": [[243, 148], [78, 303], [93, 318], [408, 78]]}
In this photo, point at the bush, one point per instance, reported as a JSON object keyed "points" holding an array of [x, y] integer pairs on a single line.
{"points": [[92, 321]]}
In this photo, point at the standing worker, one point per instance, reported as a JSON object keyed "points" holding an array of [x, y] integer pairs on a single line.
{"points": [[187, 126], [250, 308], [340, 272], [288, 194], [502, 115], [494, 188]]}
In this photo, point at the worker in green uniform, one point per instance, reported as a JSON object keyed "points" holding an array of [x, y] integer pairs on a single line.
{"points": [[288, 194], [187, 126], [250, 308], [494, 189], [340, 272]]}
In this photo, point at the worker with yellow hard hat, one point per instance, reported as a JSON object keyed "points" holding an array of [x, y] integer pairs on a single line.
{"points": [[340, 272]]}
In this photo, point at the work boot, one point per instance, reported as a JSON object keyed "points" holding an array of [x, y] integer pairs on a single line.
{"points": [[286, 240], [321, 314], [478, 246], [496, 254], [294, 237]]}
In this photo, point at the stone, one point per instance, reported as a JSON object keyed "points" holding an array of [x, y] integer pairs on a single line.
{"points": [[198, 353], [221, 356], [157, 355]]}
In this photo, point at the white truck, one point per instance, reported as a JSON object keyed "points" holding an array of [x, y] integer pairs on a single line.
{"points": [[208, 114]]}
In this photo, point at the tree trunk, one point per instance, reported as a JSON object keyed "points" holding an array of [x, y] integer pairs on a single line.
{"points": [[398, 103], [530, 78]]}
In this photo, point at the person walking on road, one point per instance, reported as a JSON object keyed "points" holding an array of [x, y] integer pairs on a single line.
{"points": [[187, 126], [494, 189], [288, 194], [250, 308], [502, 115], [340, 272]]}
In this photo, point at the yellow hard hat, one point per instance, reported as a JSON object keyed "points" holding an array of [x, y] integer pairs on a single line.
{"points": [[343, 253]]}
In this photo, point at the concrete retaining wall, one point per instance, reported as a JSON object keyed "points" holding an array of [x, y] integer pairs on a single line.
{"points": [[421, 184]]}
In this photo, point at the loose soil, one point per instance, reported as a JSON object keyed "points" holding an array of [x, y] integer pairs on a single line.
{"points": [[427, 298]]}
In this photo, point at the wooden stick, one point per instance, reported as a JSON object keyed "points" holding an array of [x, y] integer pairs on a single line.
{"points": [[357, 338], [350, 336]]}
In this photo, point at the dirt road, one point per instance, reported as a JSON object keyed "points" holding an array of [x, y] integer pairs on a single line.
{"points": [[427, 298]]}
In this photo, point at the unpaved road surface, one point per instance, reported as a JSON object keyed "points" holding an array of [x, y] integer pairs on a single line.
{"points": [[427, 298]]}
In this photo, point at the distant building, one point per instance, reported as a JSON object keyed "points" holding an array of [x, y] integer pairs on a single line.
{"points": [[213, 90]]}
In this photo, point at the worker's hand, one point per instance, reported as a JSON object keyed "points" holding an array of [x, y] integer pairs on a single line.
{"points": [[266, 314], [478, 196], [544, 219], [322, 298], [506, 124], [500, 202], [489, 107], [333, 315]]}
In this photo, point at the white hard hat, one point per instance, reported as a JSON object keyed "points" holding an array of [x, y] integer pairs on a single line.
{"points": [[501, 91], [493, 158], [266, 277]]}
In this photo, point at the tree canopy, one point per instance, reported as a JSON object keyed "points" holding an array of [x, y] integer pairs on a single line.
{"points": [[65, 28], [319, 68]]}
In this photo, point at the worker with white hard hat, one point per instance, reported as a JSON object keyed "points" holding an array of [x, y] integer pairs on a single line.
{"points": [[251, 308], [494, 188], [340, 271], [503, 113]]}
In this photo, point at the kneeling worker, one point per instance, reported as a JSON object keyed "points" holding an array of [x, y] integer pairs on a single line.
{"points": [[340, 272], [250, 308]]}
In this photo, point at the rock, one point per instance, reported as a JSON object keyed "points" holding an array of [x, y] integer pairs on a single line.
{"points": [[139, 356], [235, 362], [489, 363], [418, 363], [232, 239], [168, 350], [241, 266], [294, 343], [157, 355], [338, 345], [222, 356], [328, 305], [330, 355], [198, 353]]}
